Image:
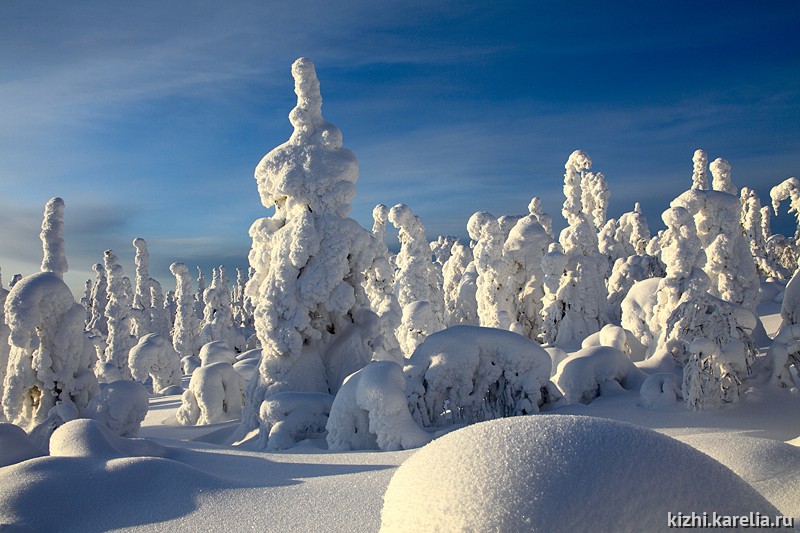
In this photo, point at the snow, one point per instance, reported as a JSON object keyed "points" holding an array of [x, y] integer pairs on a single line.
{"points": [[559, 473], [677, 334]]}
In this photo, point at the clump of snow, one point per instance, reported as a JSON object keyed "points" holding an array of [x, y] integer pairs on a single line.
{"points": [[16, 446], [618, 338], [559, 473], [371, 412], [582, 376], [121, 406], [287, 418], [153, 356], [469, 373], [215, 394]]}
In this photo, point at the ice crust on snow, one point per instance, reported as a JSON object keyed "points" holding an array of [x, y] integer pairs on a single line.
{"points": [[527, 473]]}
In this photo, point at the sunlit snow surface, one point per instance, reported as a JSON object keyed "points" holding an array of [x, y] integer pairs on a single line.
{"points": [[191, 482]]}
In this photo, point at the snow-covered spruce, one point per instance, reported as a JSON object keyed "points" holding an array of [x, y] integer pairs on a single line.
{"points": [[153, 356], [371, 412], [98, 323], [783, 354], [217, 324], [114, 365], [5, 347], [525, 246], [215, 394], [460, 280], [582, 279], [185, 331], [309, 257], [469, 373], [141, 303], [416, 278], [496, 307], [49, 374], [717, 215], [710, 375], [591, 372], [625, 273], [637, 310], [120, 406]]}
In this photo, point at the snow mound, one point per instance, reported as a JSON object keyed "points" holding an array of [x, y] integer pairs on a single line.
{"points": [[15, 446], [582, 375], [660, 390], [88, 438], [559, 473], [770, 466]]}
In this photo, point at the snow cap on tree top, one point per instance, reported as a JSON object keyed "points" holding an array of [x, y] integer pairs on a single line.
{"points": [[311, 171], [52, 235]]}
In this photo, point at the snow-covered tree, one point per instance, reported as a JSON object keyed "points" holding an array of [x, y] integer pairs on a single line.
{"points": [[578, 308], [200, 304], [141, 304], [217, 322], [114, 365], [5, 347], [49, 374], [708, 377], [717, 214], [700, 170], [98, 324], [215, 394], [526, 245], [453, 273], [309, 257], [496, 307], [154, 357], [440, 248], [186, 329]]}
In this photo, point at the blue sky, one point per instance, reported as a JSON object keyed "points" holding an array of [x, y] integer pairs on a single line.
{"points": [[149, 117]]}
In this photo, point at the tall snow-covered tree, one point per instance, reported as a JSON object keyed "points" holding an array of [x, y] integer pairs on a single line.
{"points": [[185, 331], [120, 341], [496, 307], [49, 378], [309, 257]]}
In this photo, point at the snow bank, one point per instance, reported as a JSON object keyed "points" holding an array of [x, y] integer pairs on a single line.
{"points": [[88, 438], [371, 411], [472, 373], [559, 473], [582, 375]]}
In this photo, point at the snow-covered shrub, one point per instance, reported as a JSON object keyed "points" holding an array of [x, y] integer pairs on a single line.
{"points": [[790, 306], [370, 411], [114, 364], [50, 362], [287, 418], [469, 373], [582, 376], [215, 394], [559, 473], [784, 353], [709, 378], [309, 257], [660, 390], [121, 407], [153, 356]]}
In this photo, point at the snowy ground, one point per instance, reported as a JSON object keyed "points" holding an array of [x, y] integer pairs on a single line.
{"points": [[197, 483]]}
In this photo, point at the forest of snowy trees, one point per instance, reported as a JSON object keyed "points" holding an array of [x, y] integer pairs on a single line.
{"points": [[329, 333]]}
